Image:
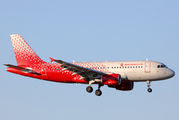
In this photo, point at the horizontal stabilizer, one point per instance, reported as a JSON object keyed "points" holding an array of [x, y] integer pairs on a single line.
{"points": [[13, 66], [26, 70]]}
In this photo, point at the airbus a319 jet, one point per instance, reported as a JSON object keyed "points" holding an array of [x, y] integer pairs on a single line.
{"points": [[120, 75]]}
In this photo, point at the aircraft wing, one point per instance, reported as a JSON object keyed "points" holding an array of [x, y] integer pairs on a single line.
{"points": [[27, 70], [82, 71]]}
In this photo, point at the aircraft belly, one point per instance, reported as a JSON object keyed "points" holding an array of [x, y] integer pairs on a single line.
{"points": [[132, 76], [140, 76]]}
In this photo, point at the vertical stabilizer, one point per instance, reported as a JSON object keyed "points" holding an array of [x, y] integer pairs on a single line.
{"points": [[23, 52]]}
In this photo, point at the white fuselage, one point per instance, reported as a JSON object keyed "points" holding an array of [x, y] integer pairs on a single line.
{"points": [[134, 70]]}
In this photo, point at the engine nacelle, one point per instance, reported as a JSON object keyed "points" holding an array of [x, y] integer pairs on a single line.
{"points": [[111, 79], [125, 86]]}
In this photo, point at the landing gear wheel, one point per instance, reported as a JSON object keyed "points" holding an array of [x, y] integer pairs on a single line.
{"points": [[149, 90], [148, 85], [98, 92], [89, 89]]}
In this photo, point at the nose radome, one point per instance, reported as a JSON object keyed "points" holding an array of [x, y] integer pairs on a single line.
{"points": [[172, 73]]}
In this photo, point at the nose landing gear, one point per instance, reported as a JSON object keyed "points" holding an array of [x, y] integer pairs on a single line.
{"points": [[149, 90], [148, 85]]}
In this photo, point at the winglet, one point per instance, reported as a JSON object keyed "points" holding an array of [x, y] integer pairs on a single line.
{"points": [[51, 59]]}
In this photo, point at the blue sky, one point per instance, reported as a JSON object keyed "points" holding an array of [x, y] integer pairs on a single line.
{"points": [[92, 30]]}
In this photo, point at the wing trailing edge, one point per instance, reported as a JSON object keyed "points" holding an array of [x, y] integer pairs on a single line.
{"points": [[85, 73]]}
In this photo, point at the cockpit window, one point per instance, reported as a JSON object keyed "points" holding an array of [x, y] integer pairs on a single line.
{"points": [[162, 66], [165, 66]]}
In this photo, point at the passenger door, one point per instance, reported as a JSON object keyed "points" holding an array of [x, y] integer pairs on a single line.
{"points": [[147, 67]]}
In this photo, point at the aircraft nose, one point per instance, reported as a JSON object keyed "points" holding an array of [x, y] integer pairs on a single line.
{"points": [[172, 73]]}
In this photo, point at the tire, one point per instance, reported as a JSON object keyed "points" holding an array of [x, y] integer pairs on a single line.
{"points": [[89, 89], [98, 92], [149, 90]]}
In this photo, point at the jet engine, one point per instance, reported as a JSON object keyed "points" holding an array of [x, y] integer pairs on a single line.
{"points": [[111, 79], [125, 86]]}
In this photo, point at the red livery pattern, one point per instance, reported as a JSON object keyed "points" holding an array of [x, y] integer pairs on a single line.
{"points": [[23, 52]]}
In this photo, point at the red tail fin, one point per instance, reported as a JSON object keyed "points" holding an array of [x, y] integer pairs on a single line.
{"points": [[23, 52]]}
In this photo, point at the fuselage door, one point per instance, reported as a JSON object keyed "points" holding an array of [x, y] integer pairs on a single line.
{"points": [[147, 67]]}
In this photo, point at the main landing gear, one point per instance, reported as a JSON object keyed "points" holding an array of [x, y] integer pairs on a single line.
{"points": [[98, 92], [148, 85]]}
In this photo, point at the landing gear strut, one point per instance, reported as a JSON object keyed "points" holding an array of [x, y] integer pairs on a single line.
{"points": [[89, 89], [148, 85]]}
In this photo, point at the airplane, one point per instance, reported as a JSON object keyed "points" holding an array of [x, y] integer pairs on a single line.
{"points": [[120, 75]]}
